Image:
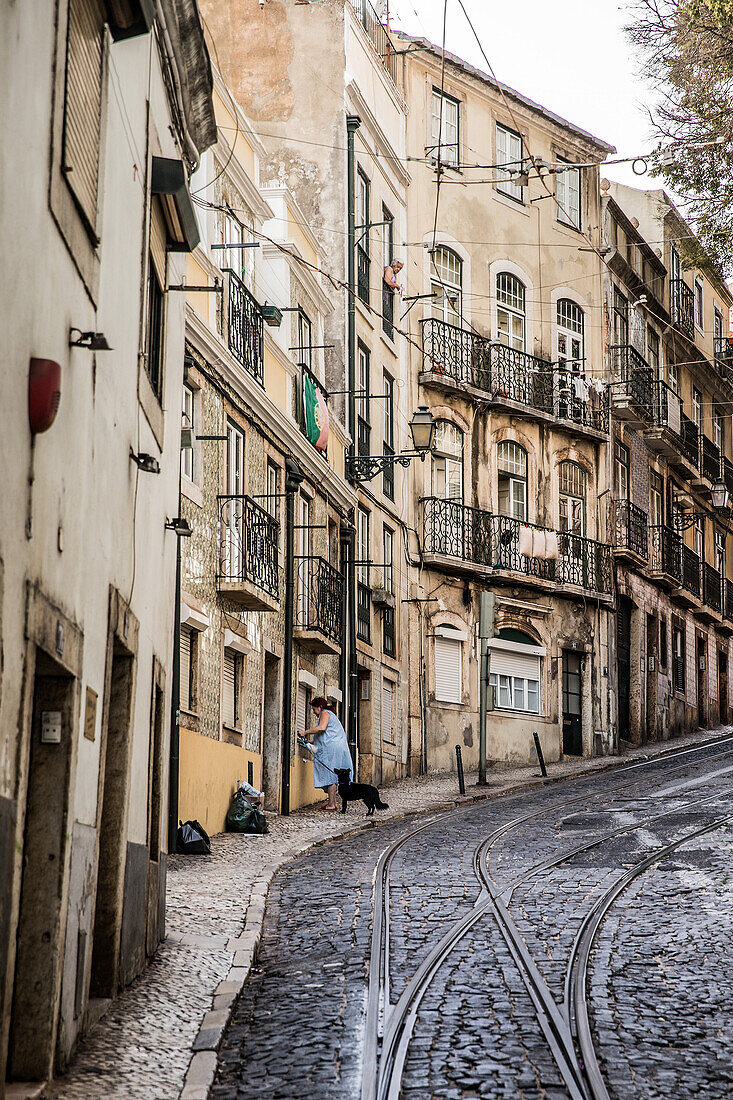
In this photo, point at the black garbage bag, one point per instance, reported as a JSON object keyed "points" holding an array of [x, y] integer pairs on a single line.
{"points": [[243, 817], [192, 839]]}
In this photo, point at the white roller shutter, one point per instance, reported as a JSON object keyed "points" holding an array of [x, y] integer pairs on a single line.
{"points": [[506, 663], [83, 103], [386, 716], [301, 700], [185, 669], [228, 694], [448, 688]]}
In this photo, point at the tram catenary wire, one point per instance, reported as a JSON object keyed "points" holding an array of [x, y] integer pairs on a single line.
{"points": [[393, 1024]]}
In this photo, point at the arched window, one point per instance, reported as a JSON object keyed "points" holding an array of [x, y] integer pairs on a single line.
{"points": [[572, 481], [510, 310], [446, 284], [570, 325], [512, 469], [447, 460]]}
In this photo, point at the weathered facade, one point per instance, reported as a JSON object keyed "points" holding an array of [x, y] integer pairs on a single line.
{"points": [[95, 200], [671, 362]]}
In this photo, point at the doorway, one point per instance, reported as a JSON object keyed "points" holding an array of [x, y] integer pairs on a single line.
{"points": [[36, 988], [701, 683], [623, 665], [652, 632], [114, 780], [723, 687], [572, 704], [271, 717]]}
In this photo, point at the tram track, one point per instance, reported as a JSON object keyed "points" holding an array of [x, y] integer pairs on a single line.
{"points": [[389, 1026]]}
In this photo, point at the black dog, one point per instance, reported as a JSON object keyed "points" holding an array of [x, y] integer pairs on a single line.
{"points": [[351, 791]]}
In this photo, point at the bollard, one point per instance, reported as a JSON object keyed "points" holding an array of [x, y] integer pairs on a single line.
{"points": [[459, 762], [540, 757]]}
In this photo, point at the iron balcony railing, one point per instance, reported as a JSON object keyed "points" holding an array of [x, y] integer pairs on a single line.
{"points": [[378, 34], [319, 597], [363, 612], [466, 358], [248, 546], [666, 551], [709, 464], [363, 264], [666, 408], [728, 611], [472, 535], [690, 571], [683, 307], [633, 377], [388, 310], [245, 331], [723, 350], [630, 528], [690, 441], [712, 587]]}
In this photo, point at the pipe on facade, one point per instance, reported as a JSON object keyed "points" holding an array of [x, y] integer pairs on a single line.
{"points": [[175, 740], [348, 536], [294, 477], [353, 122]]}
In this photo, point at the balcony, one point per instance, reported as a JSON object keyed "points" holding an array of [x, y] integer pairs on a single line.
{"points": [[243, 326], [248, 554], [690, 445], [456, 359], [683, 307], [710, 459], [633, 386], [456, 536], [630, 532], [723, 350], [319, 601], [728, 602], [690, 573], [712, 589], [363, 264], [666, 555], [363, 612], [664, 435], [378, 35]]}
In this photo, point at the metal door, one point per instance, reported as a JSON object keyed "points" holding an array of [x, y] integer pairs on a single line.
{"points": [[572, 704]]}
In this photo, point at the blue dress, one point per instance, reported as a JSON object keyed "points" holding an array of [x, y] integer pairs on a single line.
{"points": [[331, 749]]}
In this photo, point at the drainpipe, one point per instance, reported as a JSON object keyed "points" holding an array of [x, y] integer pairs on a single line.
{"points": [[174, 752], [348, 629], [353, 122], [293, 479]]}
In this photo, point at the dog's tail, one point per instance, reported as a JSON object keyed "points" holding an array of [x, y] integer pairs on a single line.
{"points": [[381, 805]]}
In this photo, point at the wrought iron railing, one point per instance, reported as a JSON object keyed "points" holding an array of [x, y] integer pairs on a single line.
{"points": [[683, 307], [633, 377], [630, 528], [470, 534], [709, 459], [712, 587], [666, 551], [388, 631], [522, 377], [248, 543], [363, 612], [378, 34], [460, 355], [319, 597], [728, 610], [388, 473], [575, 400], [245, 335], [667, 408], [388, 310], [690, 571], [690, 440], [723, 346], [362, 274]]}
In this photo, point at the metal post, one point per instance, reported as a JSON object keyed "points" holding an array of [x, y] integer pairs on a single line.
{"points": [[459, 764], [353, 122], [540, 757], [293, 478], [486, 631]]}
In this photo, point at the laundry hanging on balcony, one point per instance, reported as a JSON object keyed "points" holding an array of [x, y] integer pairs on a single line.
{"points": [[580, 388], [315, 413], [537, 543]]}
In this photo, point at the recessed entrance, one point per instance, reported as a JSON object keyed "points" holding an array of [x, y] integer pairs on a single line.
{"points": [[572, 704], [623, 667], [271, 748], [702, 677]]}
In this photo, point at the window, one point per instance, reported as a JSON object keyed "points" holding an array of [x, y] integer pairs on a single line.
{"points": [[621, 470], [675, 269], [363, 426], [444, 129], [720, 552], [362, 549], [232, 233], [388, 613], [718, 429], [698, 304], [448, 649], [446, 286], [678, 658], [187, 664], [697, 408], [572, 480], [301, 707], [510, 310], [673, 377], [304, 565], [235, 460], [362, 237], [387, 713], [388, 448], [717, 325], [187, 453], [663, 642], [272, 488], [568, 196], [230, 690], [656, 499], [447, 461], [234, 506], [509, 153], [569, 334], [512, 467], [305, 339], [387, 237], [652, 349], [154, 342], [515, 671], [82, 124], [620, 318], [698, 537]]}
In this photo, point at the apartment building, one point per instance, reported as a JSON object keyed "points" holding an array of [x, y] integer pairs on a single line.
{"points": [[319, 84], [262, 486], [96, 209], [670, 351], [505, 296]]}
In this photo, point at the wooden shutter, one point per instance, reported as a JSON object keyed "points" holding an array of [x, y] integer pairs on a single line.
{"points": [[185, 669], [505, 663], [448, 670], [229, 691], [83, 103], [386, 717], [158, 240], [301, 700]]}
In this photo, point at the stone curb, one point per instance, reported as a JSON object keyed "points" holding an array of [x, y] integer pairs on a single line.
{"points": [[243, 948]]}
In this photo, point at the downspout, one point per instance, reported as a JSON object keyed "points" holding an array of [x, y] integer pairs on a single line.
{"points": [[175, 744], [293, 478], [347, 557], [353, 122]]}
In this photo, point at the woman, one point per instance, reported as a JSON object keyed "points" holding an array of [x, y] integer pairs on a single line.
{"points": [[330, 751]]}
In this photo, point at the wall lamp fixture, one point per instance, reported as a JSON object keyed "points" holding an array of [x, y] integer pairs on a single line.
{"points": [[92, 341], [422, 429], [180, 526], [145, 462]]}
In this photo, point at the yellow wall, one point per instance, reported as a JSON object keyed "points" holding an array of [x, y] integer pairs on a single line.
{"points": [[208, 776], [297, 235], [276, 380], [302, 791]]}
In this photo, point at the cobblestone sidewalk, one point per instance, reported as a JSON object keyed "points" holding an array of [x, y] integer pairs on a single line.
{"points": [[158, 1040]]}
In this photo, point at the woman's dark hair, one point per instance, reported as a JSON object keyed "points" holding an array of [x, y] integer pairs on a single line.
{"points": [[319, 701]]}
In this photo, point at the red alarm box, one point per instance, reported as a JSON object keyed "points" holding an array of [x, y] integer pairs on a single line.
{"points": [[44, 394]]}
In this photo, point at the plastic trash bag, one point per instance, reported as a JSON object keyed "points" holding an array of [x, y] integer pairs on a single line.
{"points": [[192, 839], [243, 817]]}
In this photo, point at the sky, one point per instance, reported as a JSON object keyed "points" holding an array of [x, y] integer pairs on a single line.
{"points": [[571, 56]]}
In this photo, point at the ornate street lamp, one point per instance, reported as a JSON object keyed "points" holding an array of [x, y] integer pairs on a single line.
{"points": [[720, 496], [422, 430]]}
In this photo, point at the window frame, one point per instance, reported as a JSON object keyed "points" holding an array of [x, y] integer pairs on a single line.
{"points": [[452, 459], [505, 306], [435, 153], [573, 335], [442, 310], [564, 211], [699, 305], [503, 184], [679, 662], [621, 462], [513, 480], [188, 454]]}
